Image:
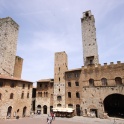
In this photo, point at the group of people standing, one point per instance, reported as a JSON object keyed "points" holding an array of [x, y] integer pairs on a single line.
{"points": [[50, 118]]}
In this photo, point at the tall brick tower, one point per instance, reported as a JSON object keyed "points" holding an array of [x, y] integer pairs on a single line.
{"points": [[90, 49], [8, 44], [60, 66]]}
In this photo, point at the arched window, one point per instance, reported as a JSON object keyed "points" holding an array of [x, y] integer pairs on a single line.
{"points": [[59, 98], [118, 81], [69, 94], [11, 96], [69, 84], [91, 82], [39, 107], [39, 94], [77, 95], [0, 96], [104, 81], [70, 106], [59, 105]]}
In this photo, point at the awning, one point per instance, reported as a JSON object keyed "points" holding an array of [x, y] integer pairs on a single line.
{"points": [[63, 110]]}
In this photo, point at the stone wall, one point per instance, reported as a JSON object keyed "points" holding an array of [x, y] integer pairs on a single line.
{"points": [[8, 45]]}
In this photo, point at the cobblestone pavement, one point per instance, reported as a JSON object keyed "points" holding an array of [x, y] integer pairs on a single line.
{"points": [[41, 119]]}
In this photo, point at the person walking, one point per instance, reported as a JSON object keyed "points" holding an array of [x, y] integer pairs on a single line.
{"points": [[54, 115], [49, 119]]}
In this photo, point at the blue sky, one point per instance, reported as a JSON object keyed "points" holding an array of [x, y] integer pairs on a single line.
{"points": [[49, 26]]}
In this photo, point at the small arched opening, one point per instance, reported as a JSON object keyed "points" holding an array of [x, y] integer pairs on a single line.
{"points": [[59, 105], [9, 112]]}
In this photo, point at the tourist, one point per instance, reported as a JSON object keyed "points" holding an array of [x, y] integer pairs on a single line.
{"points": [[49, 119], [54, 115]]}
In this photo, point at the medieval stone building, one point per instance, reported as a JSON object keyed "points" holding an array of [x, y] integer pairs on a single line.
{"points": [[93, 90], [15, 93]]}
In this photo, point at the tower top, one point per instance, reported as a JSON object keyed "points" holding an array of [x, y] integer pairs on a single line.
{"points": [[87, 14]]}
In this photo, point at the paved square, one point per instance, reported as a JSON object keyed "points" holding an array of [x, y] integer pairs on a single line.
{"points": [[41, 119]]}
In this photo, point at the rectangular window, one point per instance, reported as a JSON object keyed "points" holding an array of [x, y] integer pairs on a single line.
{"points": [[77, 95], [12, 85], [28, 86], [40, 85], [23, 86], [22, 96], [27, 95], [69, 84], [1, 84], [77, 83], [69, 94], [59, 98], [76, 75]]}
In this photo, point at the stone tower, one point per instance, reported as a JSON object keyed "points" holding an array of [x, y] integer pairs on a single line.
{"points": [[8, 44], [18, 67], [90, 49], [60, 66]]}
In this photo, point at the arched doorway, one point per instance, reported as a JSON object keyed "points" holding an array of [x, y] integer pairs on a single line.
{"points": [[9, 111], [24, 111], [39, 109], [78, 110], [114, 105], [51, 108], [45, 109]]}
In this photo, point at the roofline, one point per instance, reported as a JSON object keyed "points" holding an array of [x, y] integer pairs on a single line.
{"points": [[78, 69], [13, 78]]}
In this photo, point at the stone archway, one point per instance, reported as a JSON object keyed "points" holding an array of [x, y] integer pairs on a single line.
{"points": [[9, 112], [39, 109], [78, 110], [114, 105], [24, 111], [44, 109]]}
